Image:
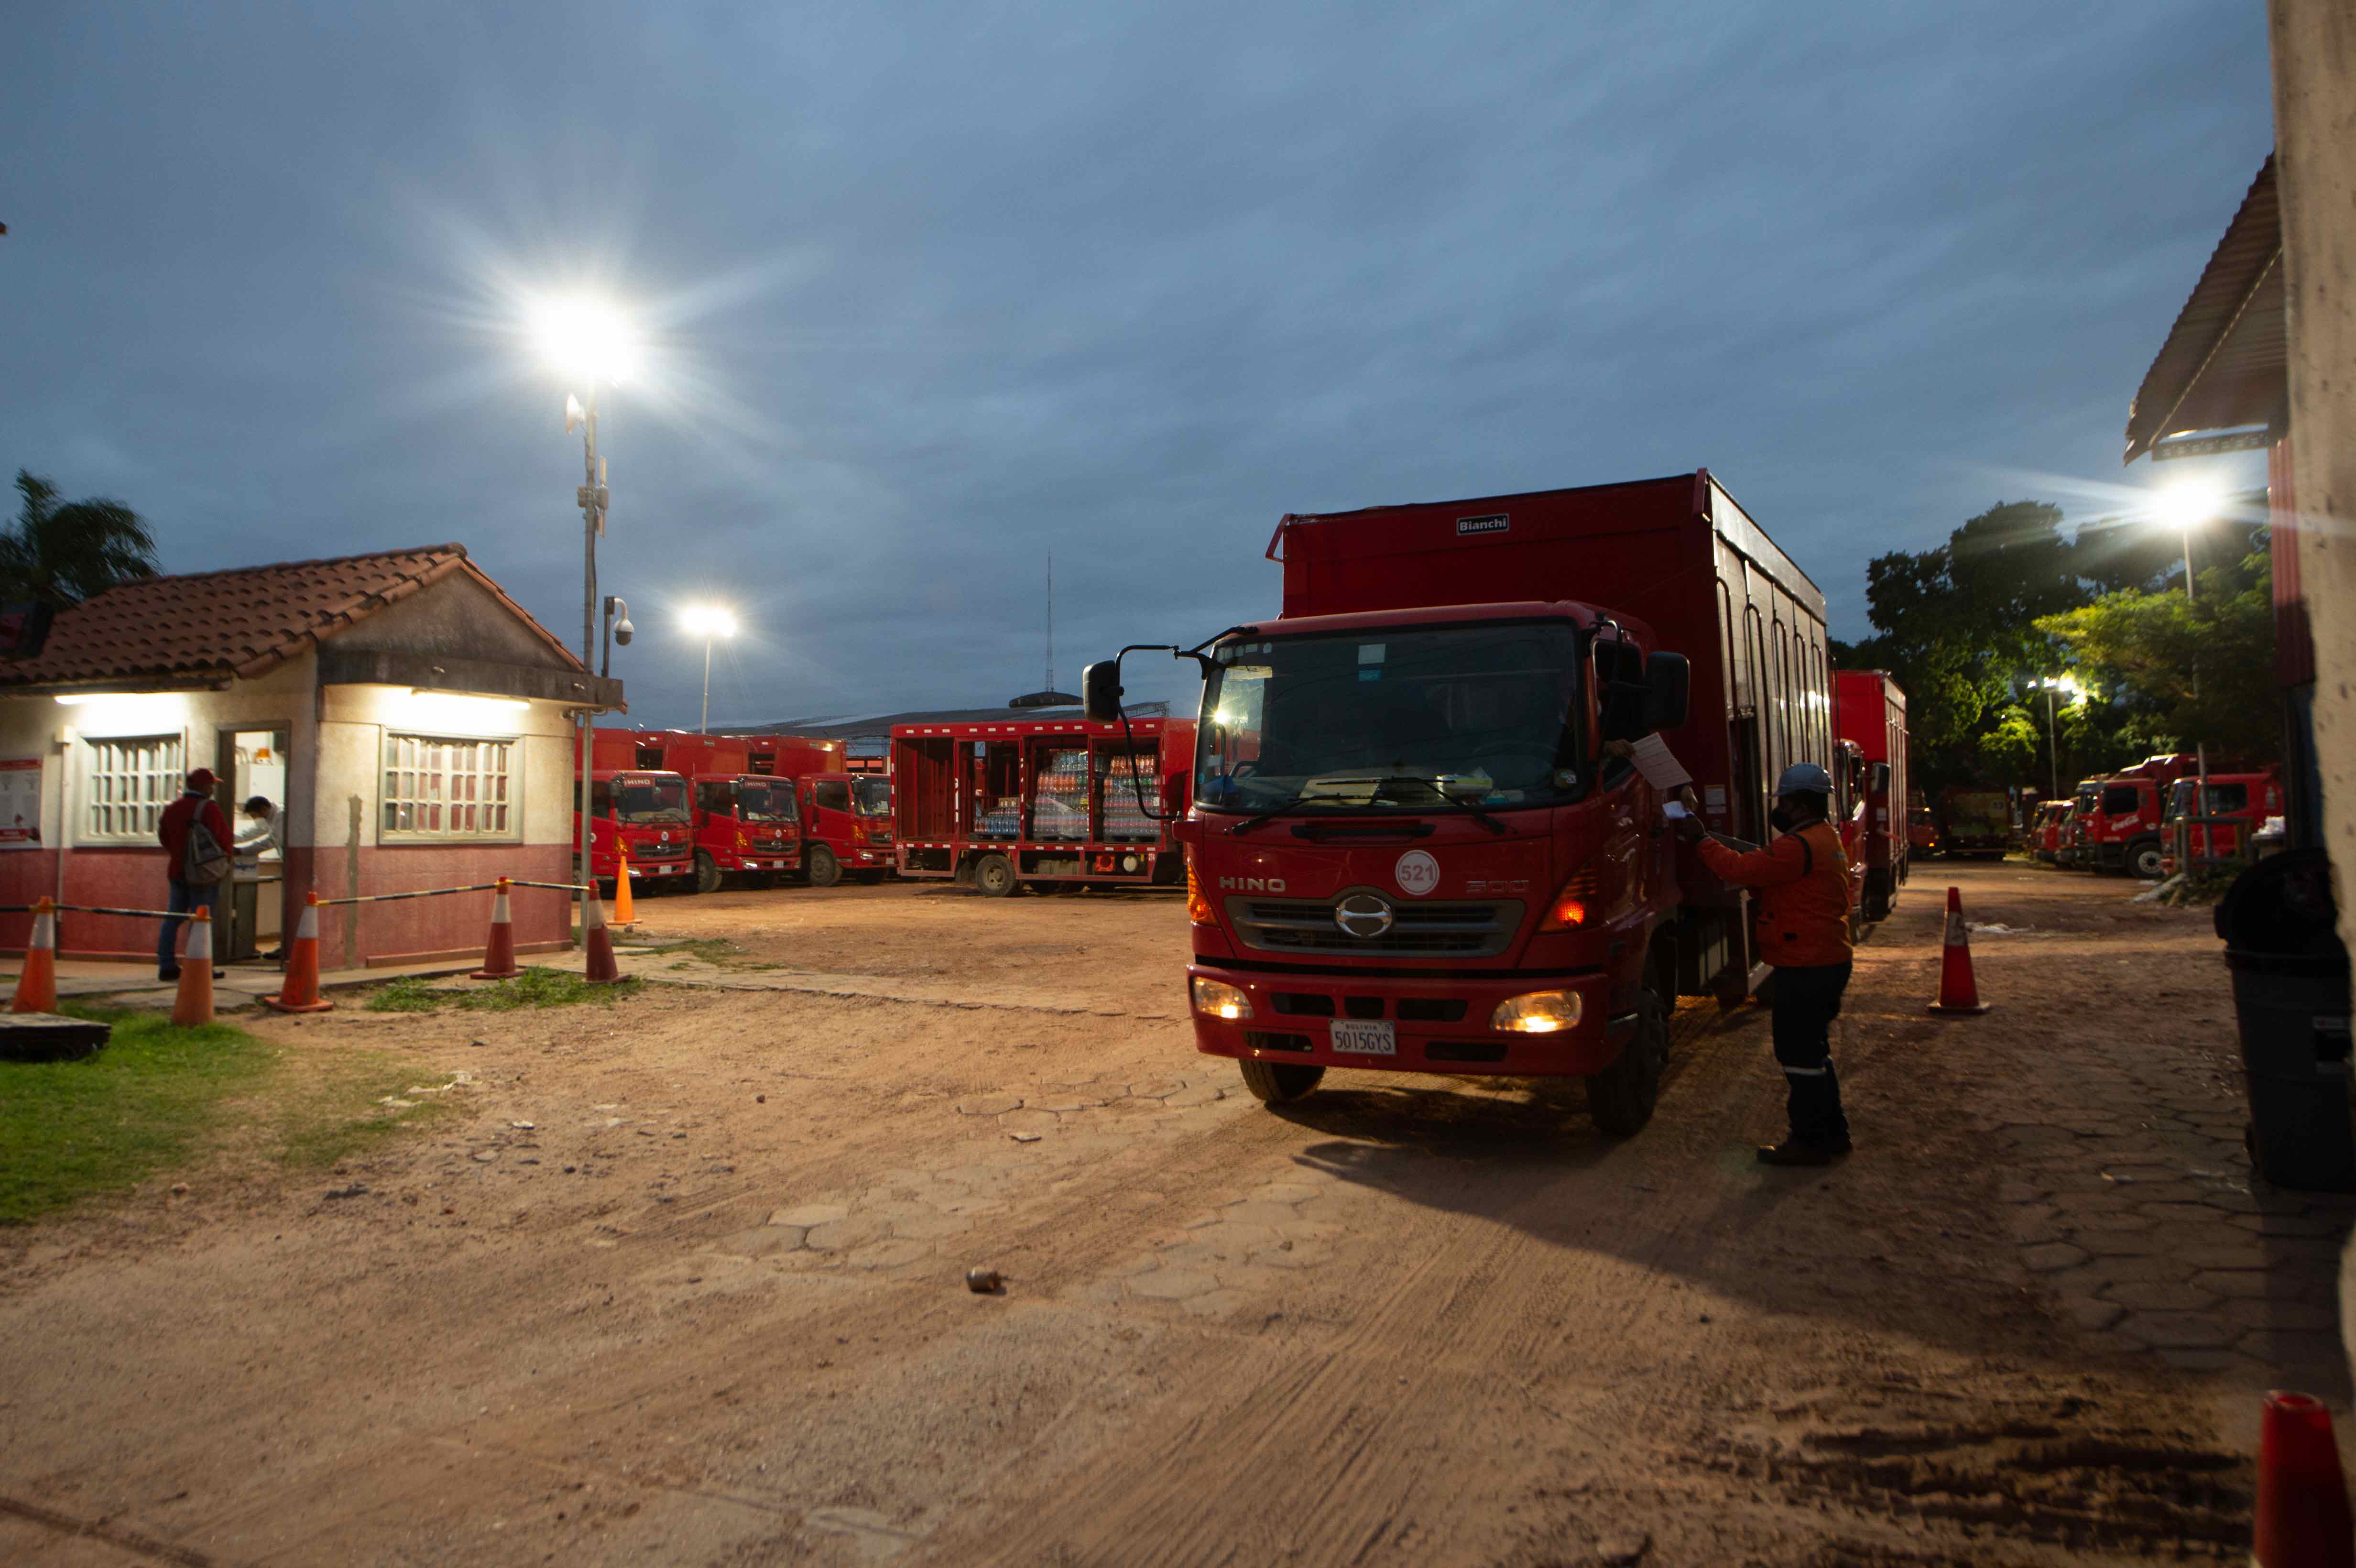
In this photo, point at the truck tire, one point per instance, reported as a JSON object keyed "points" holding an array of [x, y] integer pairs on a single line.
{"points": [[1621, 1098], [2143, 858], [707, 873], [993, 876], [1280, 1082], [1877, 895], [825, 870]]}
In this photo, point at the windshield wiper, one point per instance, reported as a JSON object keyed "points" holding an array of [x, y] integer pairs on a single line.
{"points": [[1265, 817], [1479, 813]]}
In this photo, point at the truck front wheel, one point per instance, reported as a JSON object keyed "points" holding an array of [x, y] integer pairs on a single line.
{"points": [[2143, 859], [1280, 1082], [993, 876], [1621, 1098], [825, 870], [707, 873]]}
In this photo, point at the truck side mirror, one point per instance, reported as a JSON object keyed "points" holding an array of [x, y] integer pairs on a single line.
{"points": [[1100, 691], [1877, 778], [1623, 710], [1669, 679]]}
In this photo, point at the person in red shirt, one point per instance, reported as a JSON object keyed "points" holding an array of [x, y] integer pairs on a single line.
{"points": [[196, 804], [1802, 881]]}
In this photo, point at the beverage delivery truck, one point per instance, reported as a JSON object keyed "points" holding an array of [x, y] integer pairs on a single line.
{"points": [[1425, 834]]}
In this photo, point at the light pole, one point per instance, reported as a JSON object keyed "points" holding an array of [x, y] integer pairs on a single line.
{"points": [[590, 344], [2185, 505], [2053, 735], [712, 622]]}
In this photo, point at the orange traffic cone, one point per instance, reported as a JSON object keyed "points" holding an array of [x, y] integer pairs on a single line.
{"points": [[1959, 995], [600, 969], [626, 911], [194, 1005], [301, 992], [37, 987], [2302, 1508], [499, 949]]}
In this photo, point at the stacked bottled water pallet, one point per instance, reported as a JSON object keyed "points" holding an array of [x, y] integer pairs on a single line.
{"points": [[1125, 779], [1060, 810]]}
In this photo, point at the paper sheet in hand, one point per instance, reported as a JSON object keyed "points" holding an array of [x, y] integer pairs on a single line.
{"points": [[1675, 811], [1658, 764]]}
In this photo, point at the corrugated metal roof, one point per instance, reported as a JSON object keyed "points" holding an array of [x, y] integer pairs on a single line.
{"points": [[2225, 363]]}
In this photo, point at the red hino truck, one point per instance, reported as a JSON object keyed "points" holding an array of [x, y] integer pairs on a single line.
{"points": [[1409, 847], [1058, 803], [2121, 830], [747, 821], [645, 808], [847, 825], [1869, 708]]}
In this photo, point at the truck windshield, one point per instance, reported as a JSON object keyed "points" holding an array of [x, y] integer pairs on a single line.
{"points": [[650, 800], [1444, 718], [871, 797], [762, 801]]}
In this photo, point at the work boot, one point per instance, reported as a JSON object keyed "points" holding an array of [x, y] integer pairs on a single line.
{"points": [[1793, 1152]]}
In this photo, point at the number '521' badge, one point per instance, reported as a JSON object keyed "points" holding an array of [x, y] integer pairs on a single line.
{"points": [[1416, 873]]}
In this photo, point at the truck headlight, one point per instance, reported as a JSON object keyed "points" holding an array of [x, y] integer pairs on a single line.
{"points": [[1537, 1012], [1220, 1000]]}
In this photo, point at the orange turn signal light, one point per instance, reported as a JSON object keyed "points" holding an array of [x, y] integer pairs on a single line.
{"points": [[1198, 907], [1569, 912]]}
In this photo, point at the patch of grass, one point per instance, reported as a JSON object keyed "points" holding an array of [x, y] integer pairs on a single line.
{"points": [[358, 1106], [535, 988], [69, 1129], [715, 951]]}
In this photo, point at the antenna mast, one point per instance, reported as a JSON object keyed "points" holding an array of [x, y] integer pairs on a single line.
{"points": [[1049, 684]]}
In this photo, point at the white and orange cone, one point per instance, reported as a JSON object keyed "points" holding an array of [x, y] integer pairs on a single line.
{"points": [[194, 1004], [499, 948], [300, 994], [1959, 994], [625, 909], [600, 968], [37, 987]]}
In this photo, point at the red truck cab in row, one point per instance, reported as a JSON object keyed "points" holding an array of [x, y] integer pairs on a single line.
{"points": [[1059, 803], [847, 820], [2122, 828], [1870, 710], [1416, 842], [2237, 808], [648, 812]]}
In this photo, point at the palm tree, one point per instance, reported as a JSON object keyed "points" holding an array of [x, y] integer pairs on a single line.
{"points": [[62, 552]]}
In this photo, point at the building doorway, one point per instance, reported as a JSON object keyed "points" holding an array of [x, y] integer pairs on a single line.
{"points": [[252, 767]]}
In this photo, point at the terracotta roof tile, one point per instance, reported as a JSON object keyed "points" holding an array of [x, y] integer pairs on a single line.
{"points": [[209, 626]]}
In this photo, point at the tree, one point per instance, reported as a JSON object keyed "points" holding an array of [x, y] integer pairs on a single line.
{"points": [[2201, 671], [62, 552]]}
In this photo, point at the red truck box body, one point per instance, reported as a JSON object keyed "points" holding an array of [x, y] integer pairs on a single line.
{"points": [[1869, 708], [1415, 931], [1005, 804]]}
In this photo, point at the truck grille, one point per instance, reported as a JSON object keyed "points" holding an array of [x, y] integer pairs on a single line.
{"points": [[1464, 930]]}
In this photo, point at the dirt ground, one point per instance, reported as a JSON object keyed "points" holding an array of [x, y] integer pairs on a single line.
{"points": [[683, 1280]]}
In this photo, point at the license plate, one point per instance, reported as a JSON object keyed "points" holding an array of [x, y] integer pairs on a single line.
{"points": [[1365, 1037]]}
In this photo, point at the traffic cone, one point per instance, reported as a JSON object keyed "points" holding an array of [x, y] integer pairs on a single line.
{"points": [[624, 910], [2302, 1504], [300, 994], [1959, 995], [601, 969], [499, 949], [37, 987], [194, 1005]]}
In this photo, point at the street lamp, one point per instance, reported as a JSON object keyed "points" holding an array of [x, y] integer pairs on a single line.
{"points": [[711, 621], [2185, 505], [2052, 684], [591, 344]]}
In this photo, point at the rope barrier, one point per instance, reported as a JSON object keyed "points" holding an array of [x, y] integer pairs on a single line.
{"points": [[324, 904]]}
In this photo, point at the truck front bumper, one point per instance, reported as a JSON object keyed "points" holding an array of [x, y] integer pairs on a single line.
{"points": [[1287, 1025]]}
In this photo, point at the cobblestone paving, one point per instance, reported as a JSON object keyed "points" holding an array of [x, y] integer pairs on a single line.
{"points": [[2137, 1209]]}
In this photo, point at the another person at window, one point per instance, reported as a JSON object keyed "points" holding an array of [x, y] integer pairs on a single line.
{"points": [[265, 833], [190, 889]]}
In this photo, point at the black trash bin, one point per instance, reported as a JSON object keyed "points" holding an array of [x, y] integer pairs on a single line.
{"points": [[2291, 1000]]}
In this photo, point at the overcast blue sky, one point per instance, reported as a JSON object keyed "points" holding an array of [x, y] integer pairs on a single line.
{"points": [[933, 290]]}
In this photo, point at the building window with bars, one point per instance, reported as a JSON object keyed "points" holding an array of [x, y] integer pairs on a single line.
{"points": [[442, 789], [132, 780]]}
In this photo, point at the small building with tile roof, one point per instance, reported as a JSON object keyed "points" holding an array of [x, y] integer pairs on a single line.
{"points": [[412, 723]]}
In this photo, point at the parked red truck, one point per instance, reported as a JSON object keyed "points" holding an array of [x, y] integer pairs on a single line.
{"points": [[1050, 802], [2120, 830], [1869, 708], [2045, 835], [2247, 799], [1410, 848], [843, 818], [847, 826], [747, 824], [648, 809]]}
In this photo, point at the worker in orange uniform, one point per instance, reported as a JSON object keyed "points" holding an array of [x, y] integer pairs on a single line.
{"points": [[1802, 879]]}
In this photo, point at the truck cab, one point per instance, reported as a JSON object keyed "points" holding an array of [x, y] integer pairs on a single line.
{"points": [[2217, 830], [2045, 840], [746, 825], [846, 826], [648, 813], [2123, 830]]}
